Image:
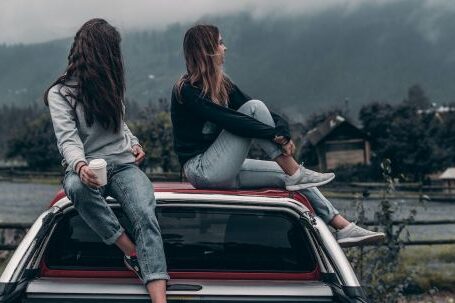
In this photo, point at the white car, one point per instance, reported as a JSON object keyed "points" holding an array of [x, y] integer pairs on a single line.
{"points": [[221, 246]]}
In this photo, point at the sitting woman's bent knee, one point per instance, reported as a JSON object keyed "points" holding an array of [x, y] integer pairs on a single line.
{"points": [[258, 110], [252, 104]]}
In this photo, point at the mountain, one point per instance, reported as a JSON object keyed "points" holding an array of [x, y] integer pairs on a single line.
{"points": [[299, 63]]}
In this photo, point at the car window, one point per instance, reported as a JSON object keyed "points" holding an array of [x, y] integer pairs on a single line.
{"points": [[195, 239]]}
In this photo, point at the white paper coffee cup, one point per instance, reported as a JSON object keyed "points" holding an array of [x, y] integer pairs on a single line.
{"points": [[98, 166]]}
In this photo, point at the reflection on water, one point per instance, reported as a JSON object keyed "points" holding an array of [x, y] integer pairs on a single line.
{"points": [[23, 202]]}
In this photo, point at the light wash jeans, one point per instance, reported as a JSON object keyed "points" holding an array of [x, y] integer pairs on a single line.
{"points": [[224, 164], [134, 192]]}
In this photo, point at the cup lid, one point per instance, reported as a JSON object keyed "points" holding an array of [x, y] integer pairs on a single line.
{"points": [[97, 163]]}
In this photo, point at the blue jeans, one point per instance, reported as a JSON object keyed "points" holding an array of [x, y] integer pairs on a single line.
{"points": [[134, 192], [224, 164]]}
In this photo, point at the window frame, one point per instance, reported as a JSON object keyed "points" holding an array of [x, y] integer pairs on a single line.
{"points": [[220, 205]]}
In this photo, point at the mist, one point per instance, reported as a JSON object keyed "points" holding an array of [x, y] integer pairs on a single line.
{"points": [[23, 21]]}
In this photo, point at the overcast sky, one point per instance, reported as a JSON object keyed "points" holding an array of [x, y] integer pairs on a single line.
{"points": [[30, 21]]}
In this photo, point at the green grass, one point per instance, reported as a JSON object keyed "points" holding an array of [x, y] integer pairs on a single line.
{"points": [[430, 266], [415, 255], [422, 271], [440, 297]]}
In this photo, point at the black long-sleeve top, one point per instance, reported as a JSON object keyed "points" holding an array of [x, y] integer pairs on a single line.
{"points": [[197, 121]]}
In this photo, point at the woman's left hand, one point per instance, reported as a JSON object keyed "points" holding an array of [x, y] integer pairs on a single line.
{"points": [[138, 153]]}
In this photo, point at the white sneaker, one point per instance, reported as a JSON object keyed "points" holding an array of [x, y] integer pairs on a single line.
{"points": [[307, 178], [353, 235]]}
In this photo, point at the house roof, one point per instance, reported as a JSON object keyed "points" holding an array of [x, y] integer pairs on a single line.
{"points": [[433, 110], [448, 174], [323, 129]]}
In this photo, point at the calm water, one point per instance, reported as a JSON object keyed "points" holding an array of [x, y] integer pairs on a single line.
{"points": [[23, 202]]}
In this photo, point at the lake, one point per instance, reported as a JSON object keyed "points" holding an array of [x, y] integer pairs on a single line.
{"points": [[23, 202]]}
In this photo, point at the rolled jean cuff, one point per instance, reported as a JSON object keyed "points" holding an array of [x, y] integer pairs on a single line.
{"points": [[111, 240], [275, 153], [155, 276], [327, 218]]}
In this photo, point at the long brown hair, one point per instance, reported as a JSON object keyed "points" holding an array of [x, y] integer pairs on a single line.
{"points": [[203, 68], [95, 63]]}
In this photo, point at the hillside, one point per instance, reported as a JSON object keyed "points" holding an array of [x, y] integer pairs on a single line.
{"points": [[300, 63]]}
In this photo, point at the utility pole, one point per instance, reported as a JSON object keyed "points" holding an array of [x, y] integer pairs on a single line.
{"points": [[346, 107]]}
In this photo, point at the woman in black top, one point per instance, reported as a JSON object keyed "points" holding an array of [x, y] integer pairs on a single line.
{"points": [[214, 124]]}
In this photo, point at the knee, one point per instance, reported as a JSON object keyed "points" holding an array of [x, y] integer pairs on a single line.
{"points": [[258, 110], [75, 189], [251, 106], [144, 210], [145, 219]]}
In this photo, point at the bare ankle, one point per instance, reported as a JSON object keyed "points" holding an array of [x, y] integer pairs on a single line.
{"points": [[339, 222], [126, 245], [287, 164], [157, 291]]}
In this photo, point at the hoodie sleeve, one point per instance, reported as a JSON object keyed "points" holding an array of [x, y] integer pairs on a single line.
{"points": [[226, 118], [64, 122], [133, 139], [238, 98]]}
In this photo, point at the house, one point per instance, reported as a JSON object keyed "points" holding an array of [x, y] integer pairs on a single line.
{"points": [[338, 142], [448, 178]]}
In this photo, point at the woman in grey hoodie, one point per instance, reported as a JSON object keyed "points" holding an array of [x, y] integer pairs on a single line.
{"points": [[87, 111]]}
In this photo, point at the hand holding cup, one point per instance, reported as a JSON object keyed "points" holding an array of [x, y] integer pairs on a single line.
{"points": [[88, 177]]}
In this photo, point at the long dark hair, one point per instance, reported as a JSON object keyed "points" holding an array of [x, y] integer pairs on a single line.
{"points": [[200, 47], [95, 63]]}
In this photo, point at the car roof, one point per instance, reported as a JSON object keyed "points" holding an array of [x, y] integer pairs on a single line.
{"points": [[187, 188]]}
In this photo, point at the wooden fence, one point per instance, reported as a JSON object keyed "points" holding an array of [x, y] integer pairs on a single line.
{"points": [[25, 226]]}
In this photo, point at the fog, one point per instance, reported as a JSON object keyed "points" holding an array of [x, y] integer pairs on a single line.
{"points": [[24, 21]]}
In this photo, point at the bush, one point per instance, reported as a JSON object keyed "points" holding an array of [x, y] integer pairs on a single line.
{"points": [[379, 268], [35, 143]]}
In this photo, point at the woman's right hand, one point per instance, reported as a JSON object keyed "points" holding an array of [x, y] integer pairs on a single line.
{"points": [[88, 177], [281, 140], [287, 146], [288, 149]]}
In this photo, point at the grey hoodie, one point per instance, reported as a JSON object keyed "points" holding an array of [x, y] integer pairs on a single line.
{"points": [[77, 141]]}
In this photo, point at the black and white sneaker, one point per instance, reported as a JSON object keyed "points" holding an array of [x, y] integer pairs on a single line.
{"points": [[132, 264]]}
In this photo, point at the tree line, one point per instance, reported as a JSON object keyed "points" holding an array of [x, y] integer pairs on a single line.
{"points": [[417, 136]]}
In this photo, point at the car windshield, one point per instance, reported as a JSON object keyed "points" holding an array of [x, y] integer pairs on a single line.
{"points": [[195, 239]]}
